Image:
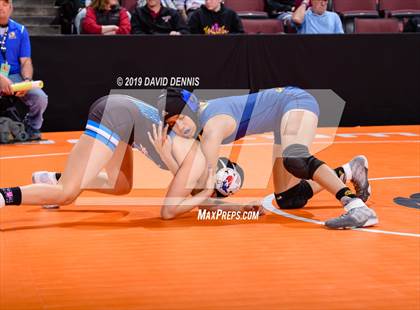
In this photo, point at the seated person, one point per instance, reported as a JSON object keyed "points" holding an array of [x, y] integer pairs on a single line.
{"points": [[187, 7], [214, 18], [154, 18], [106, 17], [16, 66], [316, 19], [282, 9], [170, 4]]}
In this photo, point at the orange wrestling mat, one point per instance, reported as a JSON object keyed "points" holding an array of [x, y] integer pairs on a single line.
{"points": [[106, 252]]}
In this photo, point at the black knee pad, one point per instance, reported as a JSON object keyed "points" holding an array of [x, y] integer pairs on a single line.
{"points": [[299, 162], [295, 197], [292, 203]]}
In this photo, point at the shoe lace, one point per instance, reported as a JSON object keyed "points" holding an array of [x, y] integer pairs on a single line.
{"points": [[343, 215], [357, 185]]}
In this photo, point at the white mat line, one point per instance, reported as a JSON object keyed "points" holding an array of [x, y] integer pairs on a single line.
{"points": [[268, 205], [149, 201], [331, 142], [32, 156], [230, 145], [396, 178]]}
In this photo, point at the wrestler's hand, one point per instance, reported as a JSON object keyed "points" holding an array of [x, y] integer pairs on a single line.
{"points": [[161, 141], [255, 206]]}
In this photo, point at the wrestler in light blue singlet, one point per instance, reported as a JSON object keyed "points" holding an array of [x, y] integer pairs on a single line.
{"points": [[269, 106]]}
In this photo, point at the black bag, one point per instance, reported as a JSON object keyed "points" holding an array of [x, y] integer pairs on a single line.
{"points": [[12, 118], [13, 108]]}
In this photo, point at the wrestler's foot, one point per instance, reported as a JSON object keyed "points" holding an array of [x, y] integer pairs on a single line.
{"points": [[356, 171], [45, 177], [357, 215]]}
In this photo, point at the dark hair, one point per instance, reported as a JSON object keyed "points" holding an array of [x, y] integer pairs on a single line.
{"points": [[223, 162], [101, 4], [176, 101]]}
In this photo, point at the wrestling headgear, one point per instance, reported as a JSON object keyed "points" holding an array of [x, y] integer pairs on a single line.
{"points": [[229, 177], [176, 101]]}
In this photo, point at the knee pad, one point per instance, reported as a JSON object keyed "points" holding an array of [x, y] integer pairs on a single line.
{"points": [[295, 197], [299, 162]]}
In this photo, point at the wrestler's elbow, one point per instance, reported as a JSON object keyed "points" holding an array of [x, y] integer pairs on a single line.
{"points": [[168, 212]]}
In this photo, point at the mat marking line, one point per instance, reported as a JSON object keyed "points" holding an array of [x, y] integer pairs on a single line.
{"points": [[268, 205], [235, 145]]}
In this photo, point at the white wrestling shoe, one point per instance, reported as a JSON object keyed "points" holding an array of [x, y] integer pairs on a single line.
{"points": [[357, 215], [356, 171], [2, 202], [45, 177]]}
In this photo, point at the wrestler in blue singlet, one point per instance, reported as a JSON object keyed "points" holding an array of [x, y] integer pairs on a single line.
{"points": [[259, 112]]}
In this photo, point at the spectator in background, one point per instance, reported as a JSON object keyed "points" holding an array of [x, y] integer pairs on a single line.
{"points": [[281, 8], [106, 17], [153, 18], [187, 7], [214, 18], [170, 4], [316, 19], [16, 66]]}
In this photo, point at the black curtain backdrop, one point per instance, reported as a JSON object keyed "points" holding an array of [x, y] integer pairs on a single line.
{"points": [[376, 75]]}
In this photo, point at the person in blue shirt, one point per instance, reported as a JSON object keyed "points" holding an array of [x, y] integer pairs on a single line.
{"points": [[316, 19], [16, 66]]}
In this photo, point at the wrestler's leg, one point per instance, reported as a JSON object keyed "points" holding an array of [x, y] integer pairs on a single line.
{"points": [[297, 131], [87, 158]]}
